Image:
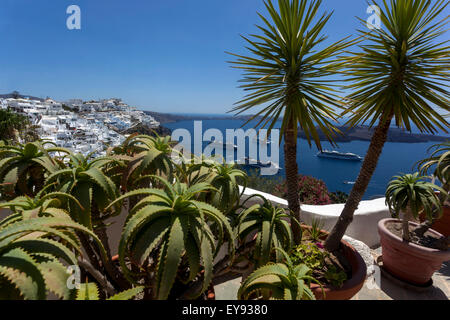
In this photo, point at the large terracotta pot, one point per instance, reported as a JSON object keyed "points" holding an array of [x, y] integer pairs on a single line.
{"points": [[352, 286], [407, 261], [443, 224]]}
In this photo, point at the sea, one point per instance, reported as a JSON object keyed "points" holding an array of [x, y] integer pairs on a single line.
{"points": [[396, 159]]}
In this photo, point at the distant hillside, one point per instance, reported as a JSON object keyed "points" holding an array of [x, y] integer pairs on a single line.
{"points": [[19, 96], [364, 133], [143, 129], [170, 117]]}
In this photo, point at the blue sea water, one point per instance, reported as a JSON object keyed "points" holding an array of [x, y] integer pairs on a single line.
{"points": [[396, 158]]}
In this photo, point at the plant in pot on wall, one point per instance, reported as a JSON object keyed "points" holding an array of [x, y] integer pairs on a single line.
{"points": [[412, 252], [440, 162]]}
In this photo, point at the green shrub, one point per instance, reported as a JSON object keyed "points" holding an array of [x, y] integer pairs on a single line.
{"points": [[314, 257], [312, 191]]}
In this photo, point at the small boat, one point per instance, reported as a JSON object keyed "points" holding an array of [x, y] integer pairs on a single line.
{"points": [[261, 141], [339, 155], [260, 164], [350, 182], [219, 144]]}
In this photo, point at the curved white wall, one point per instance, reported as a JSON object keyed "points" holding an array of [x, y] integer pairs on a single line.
{"points": [[363, 228]]}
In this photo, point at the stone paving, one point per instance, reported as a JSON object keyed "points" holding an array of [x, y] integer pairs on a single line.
{"points": [[389, 289], [384, 288]]}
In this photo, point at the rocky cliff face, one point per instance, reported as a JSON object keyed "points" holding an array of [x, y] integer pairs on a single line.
{"points": [[143, 129], [365, 133]]}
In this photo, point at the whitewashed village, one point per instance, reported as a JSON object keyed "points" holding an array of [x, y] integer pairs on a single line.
{"points": [[83, 127]]}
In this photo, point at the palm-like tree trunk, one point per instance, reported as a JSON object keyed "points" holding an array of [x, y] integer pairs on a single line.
{"points": [[369, 165], [290, 159], [407, 217]]}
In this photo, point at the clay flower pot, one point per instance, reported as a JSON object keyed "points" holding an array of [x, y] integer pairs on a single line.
{"points": [[407, 261], [350, 287], [443, 224]]}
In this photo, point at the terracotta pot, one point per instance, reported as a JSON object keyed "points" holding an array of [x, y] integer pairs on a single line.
{"points": [[407, 261], [443, 224], [352, 286]]}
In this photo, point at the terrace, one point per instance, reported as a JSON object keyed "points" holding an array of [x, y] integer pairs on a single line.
{"points": [[135, 222]]}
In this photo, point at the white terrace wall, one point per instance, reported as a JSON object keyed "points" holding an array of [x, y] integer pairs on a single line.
{"points": [[363, 228]]}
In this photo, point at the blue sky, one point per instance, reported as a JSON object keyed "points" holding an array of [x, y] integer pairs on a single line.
{"points": [[165, 56]]}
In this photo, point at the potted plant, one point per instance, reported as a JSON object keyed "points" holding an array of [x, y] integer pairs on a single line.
{"points": [[412, 252], [324, 267], [440, 162], [283, 281], [272, 232]]}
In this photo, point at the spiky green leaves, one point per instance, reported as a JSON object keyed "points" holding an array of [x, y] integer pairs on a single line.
{"points": [[32, 253], [270, 225], [439, 161], [281, 281], [89, 185], [402, 69], [168, 232], [152, 155], [226, 179], [22, 168], [289, 70], [411, 193]]}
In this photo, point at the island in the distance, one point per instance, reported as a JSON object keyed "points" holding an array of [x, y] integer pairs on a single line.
{"points": [[362, 133]]}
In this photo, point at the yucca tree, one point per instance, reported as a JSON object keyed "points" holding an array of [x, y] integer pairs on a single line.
{"points": [[400, 74], [288, 75], [34, 254], [280, 281], [173, 229], [269, 225], [411, 195], [23, 168]]}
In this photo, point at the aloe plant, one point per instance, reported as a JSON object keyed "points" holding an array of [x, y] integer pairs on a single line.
{"points": [[172, 228], [411, 195], [85, 180], [226, 180], [23, 168], [270, 225], [90, 291], [281, 281], [440, 162], [32, 257], [151, 155], [43, 205]]}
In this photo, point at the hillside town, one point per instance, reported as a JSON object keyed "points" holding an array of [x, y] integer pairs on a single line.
{"points": [[87, 127]]}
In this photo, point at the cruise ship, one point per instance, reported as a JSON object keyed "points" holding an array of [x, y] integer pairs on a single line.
{"points": [[339, 155]]}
